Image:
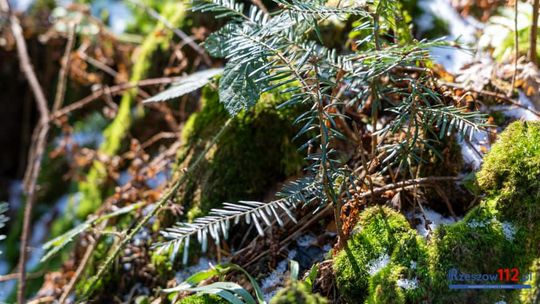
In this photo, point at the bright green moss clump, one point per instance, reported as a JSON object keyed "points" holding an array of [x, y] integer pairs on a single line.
{"points": [[297, 293], [253, 155], [203, 299], [384, 258], [513, 165], [479, 244]]}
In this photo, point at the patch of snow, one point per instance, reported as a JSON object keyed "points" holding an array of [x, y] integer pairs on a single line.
{"points": [[501, 302], [20, 5], [15, 193], [124, 178], [436, 219], [477, 224], [274, 280], [509, 230], [459, 28], [407, 284], [158, 180], [292, 254], [471, 147], [306, 240], [327, 247], [119, 14], [413, 265], [518, 112], [374, 266]]}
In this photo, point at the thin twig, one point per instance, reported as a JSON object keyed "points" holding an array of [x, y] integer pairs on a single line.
{"points": [[490, 94], [112, 90], [26, 65], [35, 164], [82, 264], [178, 32], [66, 61], [31, 198], [516, 42], [260, 5], [96, 63], [15, 276], [399, 185]]}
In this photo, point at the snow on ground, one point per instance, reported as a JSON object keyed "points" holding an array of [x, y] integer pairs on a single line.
{"points": [[461, 29], [518, 112], [434, 218]]}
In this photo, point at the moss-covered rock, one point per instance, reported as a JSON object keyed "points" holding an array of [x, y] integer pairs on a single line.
{"points": [[297, 293], [480, 244], [203, 299], [502, 232], [384, 257], [252, 156]]}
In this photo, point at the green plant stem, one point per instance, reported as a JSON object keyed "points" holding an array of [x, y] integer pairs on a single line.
{"points": [[158, 206]]}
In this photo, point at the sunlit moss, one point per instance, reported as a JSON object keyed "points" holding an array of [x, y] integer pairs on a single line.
{"points": [[502, 232], [532, 295], [252, 156], [203, 299], [476, 245], [297, 293], [382, 249]]}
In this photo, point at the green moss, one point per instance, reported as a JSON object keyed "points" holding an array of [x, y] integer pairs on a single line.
{"points": [[162, 263], [532, 295], [476, 245], [513, 164], [501, 232], [297, 293], [383, 288], [383, 237], [253, 155], [203, 299]]}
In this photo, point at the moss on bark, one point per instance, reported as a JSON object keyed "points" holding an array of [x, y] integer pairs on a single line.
{"points": [[253, 155]]}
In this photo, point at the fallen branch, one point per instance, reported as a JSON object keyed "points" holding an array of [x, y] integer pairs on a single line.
{"points": [[112, 90], [490, 94]]}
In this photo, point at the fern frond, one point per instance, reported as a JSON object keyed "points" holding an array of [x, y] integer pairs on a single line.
{"points": [[216, 225]]}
